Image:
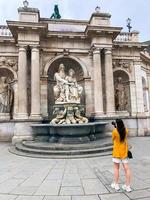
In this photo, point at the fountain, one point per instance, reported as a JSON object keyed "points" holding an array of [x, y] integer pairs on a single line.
{"points": [[69, 126], [69, 133]]}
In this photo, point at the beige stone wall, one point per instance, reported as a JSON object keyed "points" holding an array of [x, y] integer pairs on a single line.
{"points": [[92, 50]]}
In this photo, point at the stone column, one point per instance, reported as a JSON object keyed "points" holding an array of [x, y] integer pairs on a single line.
{"points": [[133, 98], [139, 88], [35, 83], [15, 89], [22, 83], [109, 83], [98, 93], [148, 80], [44, 96]]}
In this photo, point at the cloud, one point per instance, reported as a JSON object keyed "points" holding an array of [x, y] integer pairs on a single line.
{"points": [[120, 10]]}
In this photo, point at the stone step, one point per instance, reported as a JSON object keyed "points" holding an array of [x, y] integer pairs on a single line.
{"points": [[22, 148], [51, 156], [63, 147]]}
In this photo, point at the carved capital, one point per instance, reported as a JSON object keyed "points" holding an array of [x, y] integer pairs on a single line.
{"points": [[108, 51], [96, 50]]}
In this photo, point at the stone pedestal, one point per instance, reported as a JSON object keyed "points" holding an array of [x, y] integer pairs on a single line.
{"points": [[98, 94], [35, 84], [22, 131], [22, 84], [4, 116], [109, 83]]}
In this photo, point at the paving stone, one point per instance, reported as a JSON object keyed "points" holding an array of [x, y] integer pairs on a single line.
{"points": [[137, 184], [93, 186], [37, 178], [75, 176], [49, 188], [89, 197], [24, 190], [87, 173], [30, 198], [9, 185], [43, 179], [138, 194], [7, 197], [144, 198], [71, 191], [55, 174], [73, 181], [57, 198], [71, 170], [116, 196]]}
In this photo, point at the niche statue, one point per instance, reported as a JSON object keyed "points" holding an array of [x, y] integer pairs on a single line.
{"points": [[6, 96], [66, 89], [67, 94], [120, 95]]}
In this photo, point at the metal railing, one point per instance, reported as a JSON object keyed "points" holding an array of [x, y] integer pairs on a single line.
{"points": [[4, 31], [127, 37]]}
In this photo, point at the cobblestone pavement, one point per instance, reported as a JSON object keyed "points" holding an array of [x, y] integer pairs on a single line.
{"points": [[24, 178]]}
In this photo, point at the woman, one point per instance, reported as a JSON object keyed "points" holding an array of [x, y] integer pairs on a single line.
{"points": [[120, 155]]}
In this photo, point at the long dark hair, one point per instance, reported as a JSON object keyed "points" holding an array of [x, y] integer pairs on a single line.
{"points": [[121, 129]]}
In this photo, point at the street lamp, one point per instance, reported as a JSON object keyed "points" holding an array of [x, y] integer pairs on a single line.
{"points": [[97, 9], [129, 24], [25, 3]]}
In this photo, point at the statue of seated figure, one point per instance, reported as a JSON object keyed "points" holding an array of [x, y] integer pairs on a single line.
{"points": [[66, 89]]}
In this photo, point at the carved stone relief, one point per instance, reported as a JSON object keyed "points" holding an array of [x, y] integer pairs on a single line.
{"points": [[8, 63], [122, 64]]}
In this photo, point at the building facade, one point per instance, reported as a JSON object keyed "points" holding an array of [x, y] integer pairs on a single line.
{"points": [[112, 66]]}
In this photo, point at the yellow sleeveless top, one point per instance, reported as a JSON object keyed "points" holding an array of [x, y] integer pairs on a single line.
{"points": [[120, 149]]}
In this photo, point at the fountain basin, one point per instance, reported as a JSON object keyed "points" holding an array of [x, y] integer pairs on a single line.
{"points": [[69, 133]]}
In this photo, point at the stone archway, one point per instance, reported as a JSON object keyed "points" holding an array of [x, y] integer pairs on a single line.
{"points": [[53, 68], [52, 60], [122, 91]]}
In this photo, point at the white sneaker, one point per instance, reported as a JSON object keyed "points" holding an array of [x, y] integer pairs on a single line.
{"points": [[115, 186], [126, 188]]}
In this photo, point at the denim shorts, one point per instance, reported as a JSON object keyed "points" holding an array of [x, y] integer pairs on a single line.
{"points": [[119, 160]]}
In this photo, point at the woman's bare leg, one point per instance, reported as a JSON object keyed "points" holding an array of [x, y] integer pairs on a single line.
{"points": [[116, 172], [127, 173]]}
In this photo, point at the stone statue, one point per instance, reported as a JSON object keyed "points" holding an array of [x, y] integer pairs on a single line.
{"points": [[120, 95], [74, 90], [56, 14], [5, 96], [60, 116], [60, 89], [68, 114], [79, 119], [70, 119], [66, 89], [67, 92]]}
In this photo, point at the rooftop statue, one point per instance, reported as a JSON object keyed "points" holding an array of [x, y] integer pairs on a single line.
{"points": [[56, 14]]}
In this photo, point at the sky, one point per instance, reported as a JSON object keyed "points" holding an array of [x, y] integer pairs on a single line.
{"points": [[137, 10]]}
